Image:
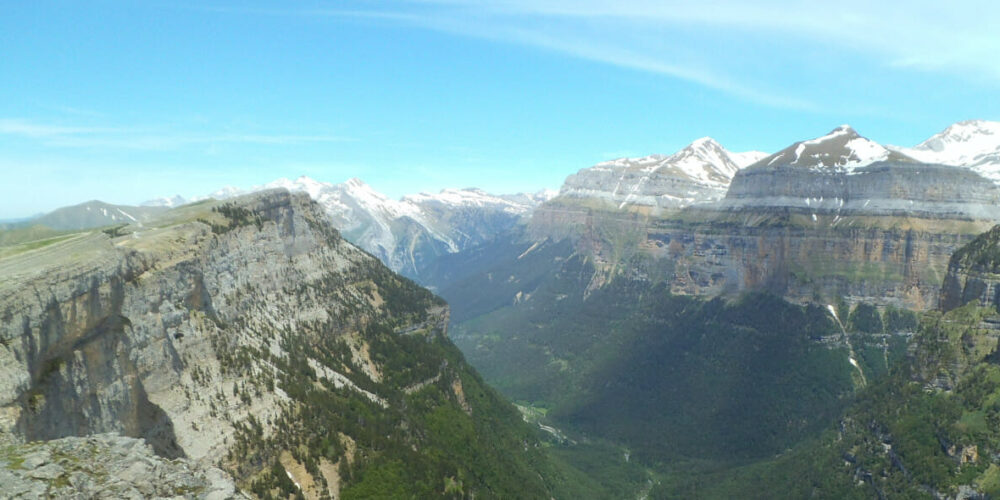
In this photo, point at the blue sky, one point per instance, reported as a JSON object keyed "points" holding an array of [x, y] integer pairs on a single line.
{"points": [[125, 100]]}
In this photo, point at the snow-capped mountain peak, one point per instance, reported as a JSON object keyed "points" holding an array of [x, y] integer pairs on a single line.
{"points": [[965, 140], [747, 158], [841, 150]]}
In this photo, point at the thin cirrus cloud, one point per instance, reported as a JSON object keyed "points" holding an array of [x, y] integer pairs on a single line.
{"points": [[681, 39], [618, 44], [927, 34], [140, 139]]}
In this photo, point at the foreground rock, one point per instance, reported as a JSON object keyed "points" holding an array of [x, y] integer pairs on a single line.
{"points": [[104, 466]]}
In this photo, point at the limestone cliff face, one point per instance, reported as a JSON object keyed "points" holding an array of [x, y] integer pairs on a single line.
{"points": [[974, 274], [153, 333], [885, 189], [880, 260], [879, 266]]}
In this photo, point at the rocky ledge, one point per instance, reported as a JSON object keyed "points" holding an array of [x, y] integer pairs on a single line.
{"points": [[104, 466]]}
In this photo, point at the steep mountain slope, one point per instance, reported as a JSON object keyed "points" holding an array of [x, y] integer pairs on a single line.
{"points": [[700, 172], [973, 143], [928, 430], [248, 334]]}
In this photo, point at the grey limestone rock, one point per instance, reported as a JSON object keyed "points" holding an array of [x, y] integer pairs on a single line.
{"points": [[104, 466]]}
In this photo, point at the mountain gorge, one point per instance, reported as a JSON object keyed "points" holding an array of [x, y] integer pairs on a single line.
{"points": [[583, 313], [701, 324]]}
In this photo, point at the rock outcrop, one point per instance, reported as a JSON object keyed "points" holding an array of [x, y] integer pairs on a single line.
{"points": [[104, 466], [895, 261], [974, 274]]}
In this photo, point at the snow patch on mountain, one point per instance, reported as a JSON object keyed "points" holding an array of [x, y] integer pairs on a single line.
{"points": [[469, 197], [840, 151]]}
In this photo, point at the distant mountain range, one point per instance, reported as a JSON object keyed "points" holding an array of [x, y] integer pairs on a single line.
{"points": [[705, 172], [405, 233], [841, 172], [700, 172]]}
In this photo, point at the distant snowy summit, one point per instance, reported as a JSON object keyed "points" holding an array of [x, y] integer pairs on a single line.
{"points": [[409, 232], [951, 174], [973, 143], [698, 173]]}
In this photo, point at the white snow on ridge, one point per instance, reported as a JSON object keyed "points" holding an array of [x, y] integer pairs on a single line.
{"points": [[837, 132], [704, 160], [700, 172], [469, 197], [841, 150], [864, 152], [371, 217], [171, 202], [747, 158]]}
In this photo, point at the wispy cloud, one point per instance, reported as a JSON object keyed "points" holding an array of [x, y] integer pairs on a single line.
{"points": [[72, 136], [915, 32], [678, 39]]}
